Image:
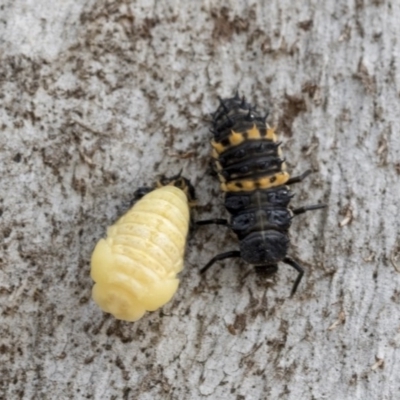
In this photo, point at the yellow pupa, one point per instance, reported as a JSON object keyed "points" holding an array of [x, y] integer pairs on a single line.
{"points": [[135, 267]]}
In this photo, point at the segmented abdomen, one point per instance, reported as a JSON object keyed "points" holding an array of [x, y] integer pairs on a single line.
{"points": [[245, 149], [252, 172], [135, 268]]}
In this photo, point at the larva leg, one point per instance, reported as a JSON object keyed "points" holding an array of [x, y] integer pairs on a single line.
{"points": [[299, 178], [219, 257], [300, 270], [302, 210], [216, 221]]}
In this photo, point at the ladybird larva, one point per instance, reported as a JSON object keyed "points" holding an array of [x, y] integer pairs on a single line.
{"points": [[249, 164], [135, 267]]}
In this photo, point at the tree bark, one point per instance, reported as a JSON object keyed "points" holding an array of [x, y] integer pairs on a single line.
{"points": [[101, 97]]}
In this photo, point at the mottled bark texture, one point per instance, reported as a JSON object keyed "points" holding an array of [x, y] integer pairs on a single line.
{"points": [[99, 97]]}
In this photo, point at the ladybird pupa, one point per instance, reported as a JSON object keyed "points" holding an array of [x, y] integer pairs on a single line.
{"points": [[135, 267]]}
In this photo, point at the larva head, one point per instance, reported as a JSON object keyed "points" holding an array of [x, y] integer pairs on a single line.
{"points": [[237, 114], [264, 248], [266, 269]]}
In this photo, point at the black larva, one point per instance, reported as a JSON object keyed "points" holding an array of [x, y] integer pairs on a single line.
{"points": [[252, 172]]}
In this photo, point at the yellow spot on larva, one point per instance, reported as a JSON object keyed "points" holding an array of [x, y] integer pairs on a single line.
{"points": [[271, 134], [218, 166], [277, 179], [214, 154], [248, 185], [221, 178], [219, 148], [233, 187], [254, 133], [135, 268], [280, 178], [264, 183], [235, 138]]}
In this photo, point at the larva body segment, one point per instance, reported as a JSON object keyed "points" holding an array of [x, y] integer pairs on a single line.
{"points": [[135, 268]]}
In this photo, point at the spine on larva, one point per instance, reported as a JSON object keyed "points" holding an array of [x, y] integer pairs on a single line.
{"points": [[135, 268]]}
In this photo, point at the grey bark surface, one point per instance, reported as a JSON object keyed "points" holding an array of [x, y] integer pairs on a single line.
{"points": [[100, 97]]}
